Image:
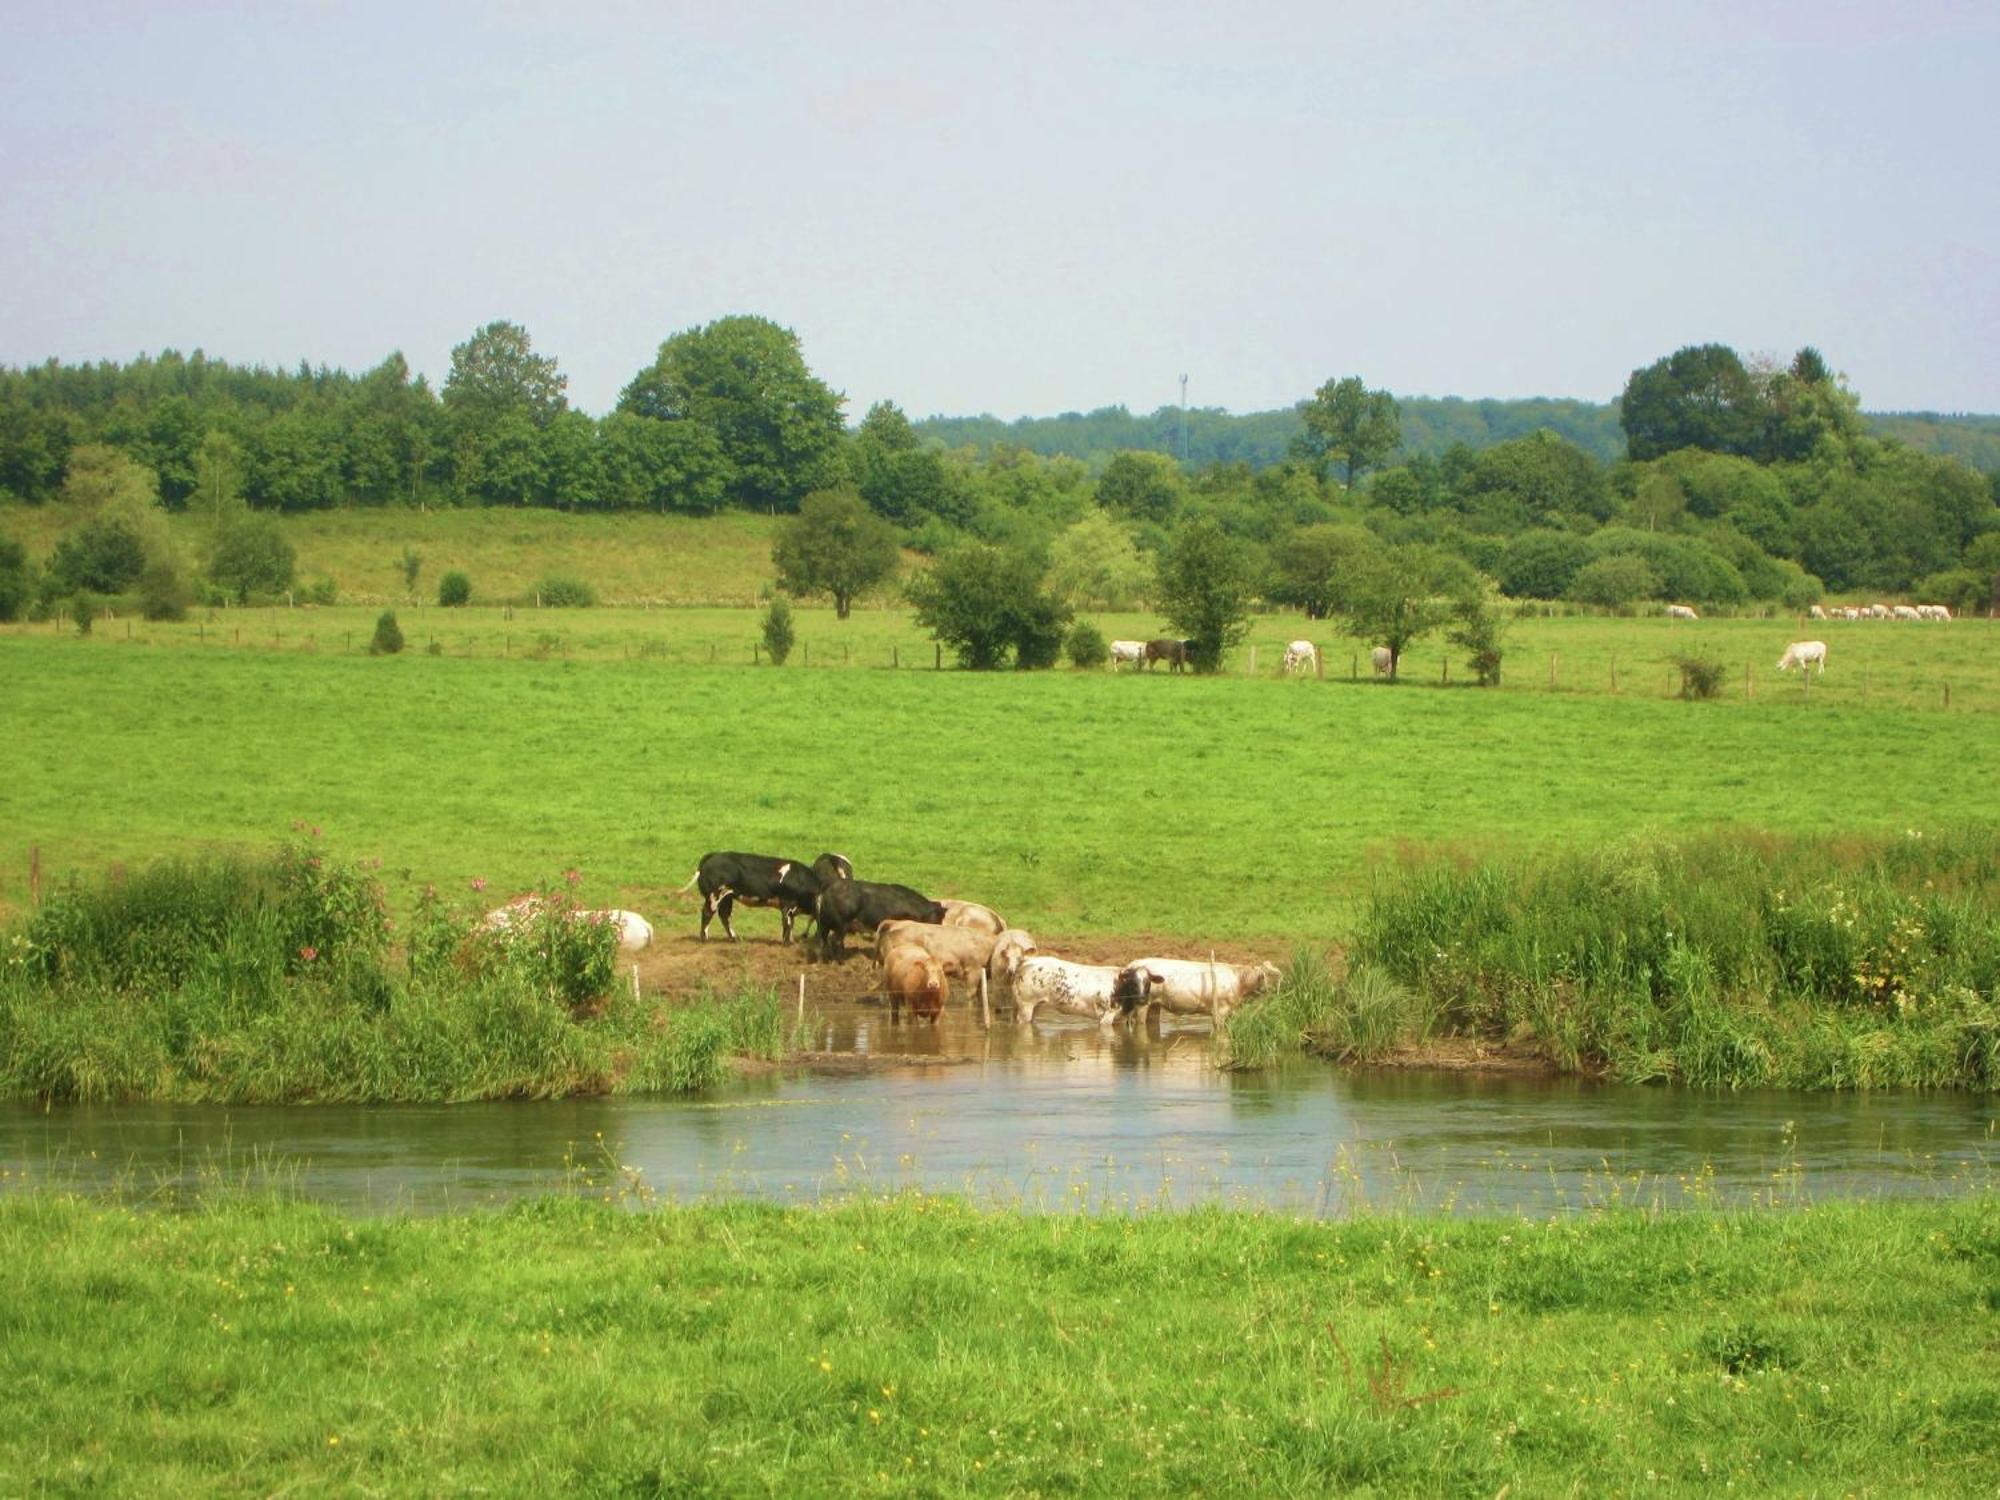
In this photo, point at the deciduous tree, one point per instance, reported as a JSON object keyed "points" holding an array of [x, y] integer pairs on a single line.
{"points": [[1345, 419], [835, 546], [1207, 579]]}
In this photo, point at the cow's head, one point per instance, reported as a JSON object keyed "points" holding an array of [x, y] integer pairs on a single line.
{"points": [[1133, 984], [1259, 978], [831, 867]]}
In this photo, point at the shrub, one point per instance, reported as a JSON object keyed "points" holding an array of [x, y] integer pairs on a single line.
{"points": [[164, 594], [1086, 646], [1615, 582], [321, 591], [984, 603], [565, 593], [388, 638], [252, 557], [454, 589], [83, 610], [1701, 676], [105, 555], [778, 634]]}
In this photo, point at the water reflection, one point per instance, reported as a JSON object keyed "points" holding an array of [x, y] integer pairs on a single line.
{"points": [[1056, 1118]]}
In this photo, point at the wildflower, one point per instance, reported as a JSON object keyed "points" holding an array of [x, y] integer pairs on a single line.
{"points": [[572, 877], [479, 882], [308, 953]]}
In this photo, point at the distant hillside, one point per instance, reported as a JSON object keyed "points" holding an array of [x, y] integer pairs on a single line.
{"points": [[1431, 424]]}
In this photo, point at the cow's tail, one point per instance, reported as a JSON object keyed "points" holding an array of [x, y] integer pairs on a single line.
{"points": [[692, 881]]}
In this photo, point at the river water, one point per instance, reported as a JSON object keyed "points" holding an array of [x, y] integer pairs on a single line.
{"points": [[1051, 1118]]}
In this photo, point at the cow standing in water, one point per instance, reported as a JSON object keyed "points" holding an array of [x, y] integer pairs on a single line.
{"points": [[1176, 654]]}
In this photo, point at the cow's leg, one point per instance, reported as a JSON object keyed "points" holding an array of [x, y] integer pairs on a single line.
{"points": [[785, 916], [707, 912], [725, 905]]}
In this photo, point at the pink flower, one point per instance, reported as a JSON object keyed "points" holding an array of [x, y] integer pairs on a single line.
{"points": [[308, 953], [573, 877], [479, 882]]}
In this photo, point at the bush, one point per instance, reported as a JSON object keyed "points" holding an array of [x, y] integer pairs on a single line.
{"points": [[1701, 676], [565, 593], [986, 603], [252, 557], [105, 556], [1960, 590], [83, 610], [454, 589], [1615, 582], [1086, 646], [778, 634], [388, 636], [163, 593], [321, 591]]}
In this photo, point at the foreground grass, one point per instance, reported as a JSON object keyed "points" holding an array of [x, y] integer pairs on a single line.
{"points": [[920, 1346], [1072, 802]]}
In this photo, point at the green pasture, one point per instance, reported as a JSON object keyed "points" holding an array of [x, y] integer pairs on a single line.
{"points": [[1078, 802], [920, 1346]]}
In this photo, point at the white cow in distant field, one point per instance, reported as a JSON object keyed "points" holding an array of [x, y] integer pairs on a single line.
{"points": [[1300, 656], [1127, 651], [1681, 612], [1934, 612], [1853, 613], [1383, 659], [1817, 613], [1907, 612], [1878, 611], [1804, 654]]}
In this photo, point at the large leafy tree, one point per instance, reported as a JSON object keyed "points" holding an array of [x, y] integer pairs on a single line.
{"points": [[496, 373], [1395, 595], [1096, 562], [1346, 420], [1141, 487], [1207, 579], [1697, 397], [835, 546], [988, 603], [1307, 566], [744, 379]]}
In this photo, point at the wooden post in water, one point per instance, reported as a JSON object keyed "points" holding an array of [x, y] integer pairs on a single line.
{"points": [[985, 1005], [802, 1000]]}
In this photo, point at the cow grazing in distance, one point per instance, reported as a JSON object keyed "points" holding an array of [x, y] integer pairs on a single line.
{"points": [[912, 977], [1189, 987], [790, 885], [1300, 656], [1123, 652], [1803, 655], [1383, 660], [1907, 612], [1816, 612], [971, 914], [1174, 653], [1681, 612], [845, 906]]}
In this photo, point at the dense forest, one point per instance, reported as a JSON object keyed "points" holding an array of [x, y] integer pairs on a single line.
{"points": [[1712, 479]]}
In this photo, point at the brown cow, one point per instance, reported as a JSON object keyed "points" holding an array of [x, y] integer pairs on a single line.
{"points": [[913, 978], [1176, 654]]}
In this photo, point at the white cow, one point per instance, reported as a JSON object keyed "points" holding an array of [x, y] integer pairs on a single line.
{"points": [[1098, 992], [1681, 612], [634, 931], [1803, 654], [1189, 987], [961, 951], [1854, 613], [1300, 656], [1907, 612], [1127, 651], [1383, 659], [1934, 612], [1816, 612], [1878, 611]]}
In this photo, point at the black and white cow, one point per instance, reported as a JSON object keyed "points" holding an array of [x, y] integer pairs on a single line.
{"points": [[791, 885], [847, 905]]}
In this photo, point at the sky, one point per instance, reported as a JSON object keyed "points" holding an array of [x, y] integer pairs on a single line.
{"points": [[1019, 209]]}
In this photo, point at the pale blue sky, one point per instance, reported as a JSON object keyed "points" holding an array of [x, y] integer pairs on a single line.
{"points": [[1017, 209]]}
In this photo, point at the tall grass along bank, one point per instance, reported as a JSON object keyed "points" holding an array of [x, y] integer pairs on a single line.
{"points": [[1727, 959], [920, 1346], [265, 980]]}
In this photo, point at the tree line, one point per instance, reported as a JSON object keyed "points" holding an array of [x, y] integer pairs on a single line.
{"points": [[1738, 482]]}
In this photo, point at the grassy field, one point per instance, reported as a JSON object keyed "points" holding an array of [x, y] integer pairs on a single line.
{"points": [[1072, 801], [919, 1346]]}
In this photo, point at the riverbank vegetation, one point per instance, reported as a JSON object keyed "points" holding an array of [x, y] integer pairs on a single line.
{"points": [[1730, 961], [920, 1345], [274, 979]]}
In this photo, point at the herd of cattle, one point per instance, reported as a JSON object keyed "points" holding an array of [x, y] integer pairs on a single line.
{"points": [[923, 945], [1938, 612]]}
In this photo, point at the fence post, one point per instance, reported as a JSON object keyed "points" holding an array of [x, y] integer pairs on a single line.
{"points": [[1445, 678], [1552, 671], [1253, 661], [1947, 694], [1319, 665], [1614, 671], [1354, 667], [937, 664], [756, 654], [809, 653], [35, 874], [802, 1000], [985, 1005], [895, 657], [1749, 687]]}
